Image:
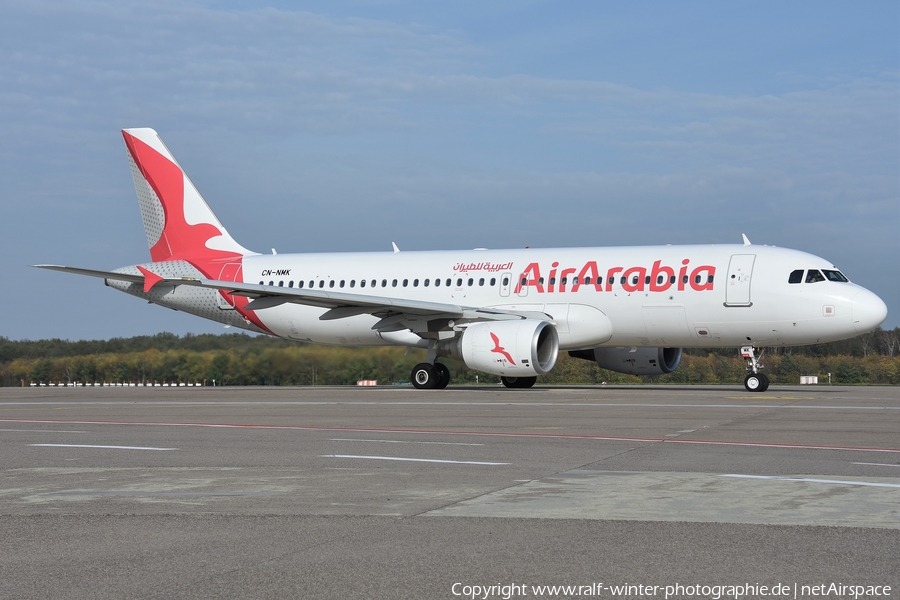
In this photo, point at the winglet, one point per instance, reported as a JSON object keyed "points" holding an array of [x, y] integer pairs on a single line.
{"points": [[150, 279], [746, 239], [396, 249]]}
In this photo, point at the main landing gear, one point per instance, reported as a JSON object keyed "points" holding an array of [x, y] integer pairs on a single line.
{"points": [[754, 381], [518, 382], [427, 376]]}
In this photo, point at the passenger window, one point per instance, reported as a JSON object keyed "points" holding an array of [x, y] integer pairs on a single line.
{"points": [[312, 283], [481, 281], [505, 281], [672, 280], [541, 280], [471, 281], [362, 283], [835, 276], [394, 283], [271, 283], [437, 283], [384, 282], [415, 282], [352, 283], [300, 284], [647, 280], [450, 282], [697, 279], [321, 283], [553, 281], [342, 283], [814, 276], [796, 276], [622, 280], [280, 284], [426, 282], [458, 282], [331, 283], [262, 283], [524, 281], [634, 280], [709, 279], [660, 279], [290, 284], [575, 280], [493, 281], [684, 279], [612, 280]]}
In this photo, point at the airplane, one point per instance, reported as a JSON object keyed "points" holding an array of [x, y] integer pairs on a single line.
{"points": [[504, 312]]}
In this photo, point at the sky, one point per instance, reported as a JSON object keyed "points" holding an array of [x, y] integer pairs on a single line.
{"points": [[344, 126]]}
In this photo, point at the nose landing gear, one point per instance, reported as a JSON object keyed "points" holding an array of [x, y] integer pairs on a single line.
{"points": [[754, 381]]}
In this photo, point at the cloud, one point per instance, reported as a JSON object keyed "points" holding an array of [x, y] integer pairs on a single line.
{"points": [[347, 131]]}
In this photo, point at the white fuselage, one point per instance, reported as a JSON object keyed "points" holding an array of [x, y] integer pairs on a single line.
{"points": [[671, 296]]}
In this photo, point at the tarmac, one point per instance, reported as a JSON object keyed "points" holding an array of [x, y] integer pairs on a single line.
{"points": [[393, 492]]}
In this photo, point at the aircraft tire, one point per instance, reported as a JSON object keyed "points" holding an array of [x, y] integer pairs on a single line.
{"points": [[527, 382], [518, 382], [756, 382], [443, 375], [424, 376]]}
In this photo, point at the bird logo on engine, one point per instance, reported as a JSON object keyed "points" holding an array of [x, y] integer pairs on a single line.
{"points": [[500, 349]]}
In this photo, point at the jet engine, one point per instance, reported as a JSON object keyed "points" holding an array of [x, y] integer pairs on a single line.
{"points": [[634, 361], [524, 348]]}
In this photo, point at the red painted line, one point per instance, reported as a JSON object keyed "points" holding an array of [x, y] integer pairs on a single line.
{"points": [[572, 436]]}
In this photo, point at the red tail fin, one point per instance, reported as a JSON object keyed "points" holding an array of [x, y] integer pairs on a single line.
{"points": [[178, 222]]}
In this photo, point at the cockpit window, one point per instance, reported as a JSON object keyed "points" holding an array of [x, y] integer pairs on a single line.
{"points": [[814, 276], [796, 276], [835, 276]]}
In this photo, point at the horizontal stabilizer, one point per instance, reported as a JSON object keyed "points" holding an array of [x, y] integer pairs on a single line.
{"points": [[94, 273]]}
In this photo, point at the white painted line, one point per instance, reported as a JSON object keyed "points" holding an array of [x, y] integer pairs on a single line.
{"points": [[877, 464], [44, 430], [427, 460], [106, 447], [403, 442], [803, 479]]}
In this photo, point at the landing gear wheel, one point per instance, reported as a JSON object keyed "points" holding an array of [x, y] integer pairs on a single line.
{"points": [[424, 376], [756, 382], [527, 382], [443, 375], [518, 382]]}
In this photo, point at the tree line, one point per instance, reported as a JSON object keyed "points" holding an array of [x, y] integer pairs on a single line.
{"points": [[240, 359]]}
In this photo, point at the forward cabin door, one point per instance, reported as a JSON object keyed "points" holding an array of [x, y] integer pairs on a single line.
{"points": [[737, 282]]}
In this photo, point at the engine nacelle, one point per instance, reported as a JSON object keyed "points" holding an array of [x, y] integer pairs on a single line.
{"points": [[635, 361], [524, 348]]}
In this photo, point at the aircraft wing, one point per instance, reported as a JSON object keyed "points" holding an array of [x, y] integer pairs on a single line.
{"points": [[395, 313]]}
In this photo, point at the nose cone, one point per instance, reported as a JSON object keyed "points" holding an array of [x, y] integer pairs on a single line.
{"points": [[869, 311]]}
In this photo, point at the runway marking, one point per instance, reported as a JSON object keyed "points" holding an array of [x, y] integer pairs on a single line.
{"points": [[475, 404], [569, 436], [105, 447], [810, 480], [426, 460], [876, 464], [403, 442], [43, 431]]}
